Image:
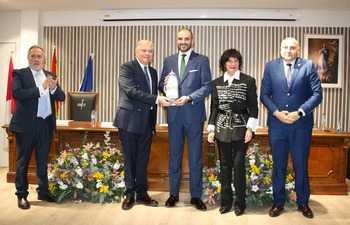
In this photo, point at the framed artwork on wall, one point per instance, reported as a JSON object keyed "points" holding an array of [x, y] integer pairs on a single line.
{"points": [[326, 51]]}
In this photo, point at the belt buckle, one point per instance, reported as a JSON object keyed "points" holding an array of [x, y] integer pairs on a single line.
{"points": [[228, 113]]}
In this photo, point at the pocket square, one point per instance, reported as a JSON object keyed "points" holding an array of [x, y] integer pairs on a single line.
{"points": [[191, 71]]}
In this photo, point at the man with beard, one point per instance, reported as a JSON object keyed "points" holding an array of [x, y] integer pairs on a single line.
{"points": [[188, 116]]}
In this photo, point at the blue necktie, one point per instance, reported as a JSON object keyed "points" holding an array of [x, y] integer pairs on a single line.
{"points": [[43, 106], [289, 74], [147, 77]]}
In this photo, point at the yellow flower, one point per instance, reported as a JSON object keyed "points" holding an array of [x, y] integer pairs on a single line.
{"points": [[104, 189], [98, 176], [106, 156], [269, 163], [52, 186], [254, 169], [211, 178], [289, 178], [219, 189], [267, 180], [63, 175], [85, 164], [122, 173]]}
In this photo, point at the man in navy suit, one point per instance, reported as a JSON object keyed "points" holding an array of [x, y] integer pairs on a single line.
{"points": [[188, 116], [290, 101], [136, 120], [35, 91]]}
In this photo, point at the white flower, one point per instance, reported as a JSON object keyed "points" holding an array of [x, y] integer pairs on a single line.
{"points": [[49, 175], [60, 161], [80, 185], [62, 185], [116, 165], [85, 156], [255, 188], [93, 160], [290, 186], [121, 184], [99, 184], [253, 176], [252, 161], [79, 171], [216, 183]]}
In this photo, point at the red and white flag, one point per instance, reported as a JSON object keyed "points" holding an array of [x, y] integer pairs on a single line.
{"points": [[54, 70], [9, 97]]}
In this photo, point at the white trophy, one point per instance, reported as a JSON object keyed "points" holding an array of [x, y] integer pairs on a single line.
{"points": [[172, 88]]}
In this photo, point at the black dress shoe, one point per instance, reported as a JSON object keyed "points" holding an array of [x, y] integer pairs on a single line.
{"points": [[128, 203], [198, 203], [23, 203], [305, 209], [224, 209], [239, 210], [276, 210], [171, 202], [47, 197], [147, 200]]}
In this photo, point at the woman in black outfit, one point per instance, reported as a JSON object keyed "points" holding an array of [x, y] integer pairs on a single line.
{"points": [[233, 119]]}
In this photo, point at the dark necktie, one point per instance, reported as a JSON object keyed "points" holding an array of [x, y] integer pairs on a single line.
{"points": [[289, 74], [147, 77], [182, 65]]}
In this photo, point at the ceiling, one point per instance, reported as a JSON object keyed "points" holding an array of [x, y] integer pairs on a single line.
{"points": [[76, 5]]}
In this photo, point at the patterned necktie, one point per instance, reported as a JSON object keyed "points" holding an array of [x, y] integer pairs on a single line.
{"points": [[147, 77], [43, 111], [289, 74], [182, 65]]}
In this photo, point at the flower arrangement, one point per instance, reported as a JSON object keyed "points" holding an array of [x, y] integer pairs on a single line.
{"points": [[259, 180], [91, 172]]}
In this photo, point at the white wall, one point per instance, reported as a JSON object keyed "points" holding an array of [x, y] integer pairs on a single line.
{"points": [[15, 29], [91, 18]]}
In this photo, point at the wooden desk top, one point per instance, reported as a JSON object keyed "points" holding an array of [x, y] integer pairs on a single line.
{"points": [[86, 126]]}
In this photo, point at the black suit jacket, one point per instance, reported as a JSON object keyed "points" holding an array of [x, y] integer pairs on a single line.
{"points": [[135, 99], [26, 94]]}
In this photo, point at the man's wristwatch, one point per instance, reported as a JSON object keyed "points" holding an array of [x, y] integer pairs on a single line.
{"points": [[300, 113], [189, 99]]}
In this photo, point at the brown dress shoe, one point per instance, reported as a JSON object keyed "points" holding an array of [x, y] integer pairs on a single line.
{"points": [[147, 200], [23, 203], [276, 210], [305, 209], [198, 203], [171, 201], [128, 203]]}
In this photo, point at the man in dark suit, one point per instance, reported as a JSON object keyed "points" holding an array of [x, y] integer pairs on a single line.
{"points": [[35, 91], [136, 120], [188, 116], [291, 90]]}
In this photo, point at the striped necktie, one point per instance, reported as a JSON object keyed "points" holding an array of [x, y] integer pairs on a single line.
{"points": [[147, 77]]}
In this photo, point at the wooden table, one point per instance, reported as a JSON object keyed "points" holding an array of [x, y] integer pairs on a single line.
{"points": [[327, 161]]}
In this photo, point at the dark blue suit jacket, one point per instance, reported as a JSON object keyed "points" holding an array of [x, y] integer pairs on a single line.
{"points": [[305, 91], [196, 82], [26, 94], [135, 99]]}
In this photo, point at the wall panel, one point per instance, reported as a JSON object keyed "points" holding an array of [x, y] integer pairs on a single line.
{"points": [[114, 45]]}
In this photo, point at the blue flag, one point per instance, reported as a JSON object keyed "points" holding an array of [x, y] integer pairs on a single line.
{"points": [[87, 83]]}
